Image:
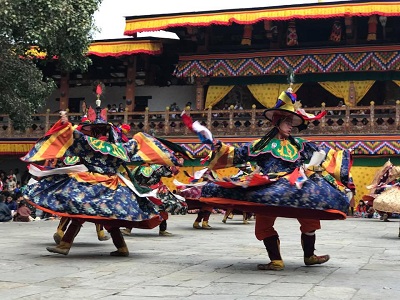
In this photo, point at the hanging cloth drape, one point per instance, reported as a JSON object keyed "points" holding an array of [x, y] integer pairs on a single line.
{"points": [[215, 93], [268, 93], [341, 89], [362, 87], [397, 82]]}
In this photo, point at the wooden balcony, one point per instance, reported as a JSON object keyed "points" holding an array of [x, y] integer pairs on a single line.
{"points": [[339, 121]]}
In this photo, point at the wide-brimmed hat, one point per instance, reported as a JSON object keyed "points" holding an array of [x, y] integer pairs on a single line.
{"points": [[285, 107], [288, 106], [95, 121]]}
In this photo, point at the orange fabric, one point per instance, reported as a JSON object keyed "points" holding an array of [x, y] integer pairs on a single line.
{"points": [[110, 181], [265, 226]]}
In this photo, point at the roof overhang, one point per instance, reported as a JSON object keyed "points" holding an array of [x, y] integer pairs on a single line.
{"points": [[117, 48], [253, 15]]}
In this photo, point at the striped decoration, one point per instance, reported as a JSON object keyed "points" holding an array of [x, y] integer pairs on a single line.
{"points": [[276, 63]]}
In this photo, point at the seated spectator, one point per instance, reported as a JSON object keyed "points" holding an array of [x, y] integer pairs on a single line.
{"points": [[113, 108], [238, 106], [5, 212], [174, 107], [121, 108], [361, 210], [23, 213], [11, 183], [12, 204]]}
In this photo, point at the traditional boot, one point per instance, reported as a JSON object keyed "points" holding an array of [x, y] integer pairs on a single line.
{"points": [[58, 236], [205, 225], [225, 217], [196, 225], [61, 228], [308, 244], [272, 245], [163, 229], [119, 242], [61, 248], [67, 240], [164, 233], [101, 234], [245, 220]]}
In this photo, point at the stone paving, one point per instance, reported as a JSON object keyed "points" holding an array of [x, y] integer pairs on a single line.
{"points": [[202, 264]]}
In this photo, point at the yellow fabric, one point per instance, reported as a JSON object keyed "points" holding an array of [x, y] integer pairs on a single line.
{"points": [[215, 93], [14, 148], [397, 82], [341, 89], [250, 16], [267, 94], [124, 48], [362, 87]]}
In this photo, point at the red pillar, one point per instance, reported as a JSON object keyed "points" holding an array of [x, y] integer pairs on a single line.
{"points": [[64, 91]]}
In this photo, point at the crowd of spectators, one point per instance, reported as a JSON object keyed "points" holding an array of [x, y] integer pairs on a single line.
{"points": [[13, 207]]}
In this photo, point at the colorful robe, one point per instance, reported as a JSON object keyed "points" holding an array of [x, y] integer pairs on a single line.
{"points": [[278, 190]]}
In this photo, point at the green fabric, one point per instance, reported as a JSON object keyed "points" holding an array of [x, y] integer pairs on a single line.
{"points": [[112, 149], [283, 149]]}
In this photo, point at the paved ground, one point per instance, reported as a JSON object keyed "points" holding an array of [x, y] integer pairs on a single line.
{"points": [[200, 264]]}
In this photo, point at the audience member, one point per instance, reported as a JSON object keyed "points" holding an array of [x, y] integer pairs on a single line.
{"points": [[23, 213], [12, 204], [121, 108], [174, 107], [5, 212], [361, 210]]}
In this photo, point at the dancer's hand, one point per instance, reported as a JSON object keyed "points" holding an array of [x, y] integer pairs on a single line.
{"points": [[64, 117]]}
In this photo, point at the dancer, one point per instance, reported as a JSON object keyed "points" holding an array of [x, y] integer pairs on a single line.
{"points": [[244, 170], [151, 177], [287, 188], [94, 190], [192, 192]]}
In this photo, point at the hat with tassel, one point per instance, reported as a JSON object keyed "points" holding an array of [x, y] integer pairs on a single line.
{"points": [[287, 106]]}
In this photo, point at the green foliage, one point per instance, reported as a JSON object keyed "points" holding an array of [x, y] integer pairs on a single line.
{"points": [[22, 87], [62, 29]]}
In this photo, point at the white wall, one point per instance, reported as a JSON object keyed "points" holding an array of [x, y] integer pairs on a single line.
{"points": [[161, 96]]}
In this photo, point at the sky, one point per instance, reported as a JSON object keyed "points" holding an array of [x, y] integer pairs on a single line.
{"points": [[110, 18]]}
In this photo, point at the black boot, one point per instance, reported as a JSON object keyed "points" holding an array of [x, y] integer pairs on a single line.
{"points": [[308, 244], [272, 244]]}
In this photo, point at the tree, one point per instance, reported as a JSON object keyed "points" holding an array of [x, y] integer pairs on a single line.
{"points": [[61, 30]]}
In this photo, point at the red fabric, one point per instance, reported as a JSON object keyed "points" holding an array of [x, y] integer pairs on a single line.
{"points": [[252, 180], [57, 127], [265, 226], [274, 211], [164, 215], [188, 121], [294, 175]]}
